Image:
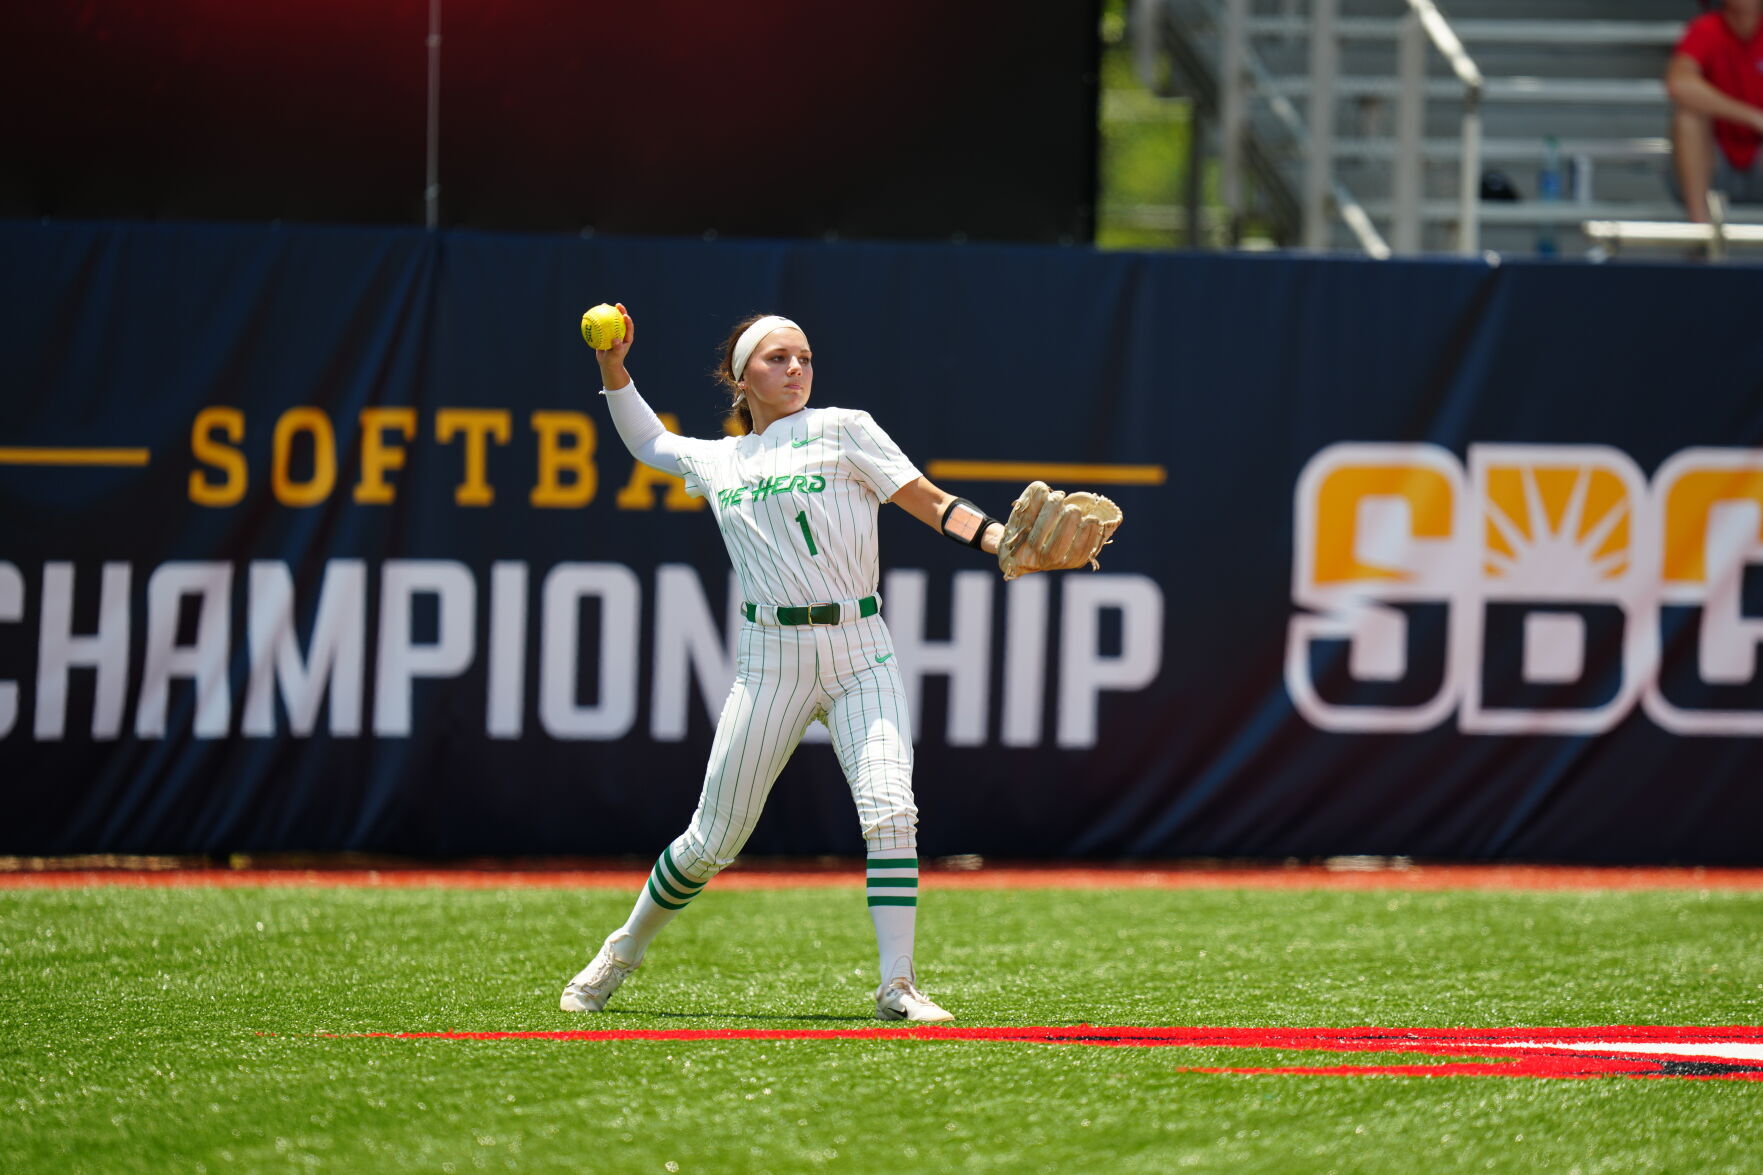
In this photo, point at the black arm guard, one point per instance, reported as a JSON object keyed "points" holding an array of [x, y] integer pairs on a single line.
{"points": [[966, 523]]}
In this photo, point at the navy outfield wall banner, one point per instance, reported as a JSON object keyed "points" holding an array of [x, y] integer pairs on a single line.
{"points": [[319, 539]]}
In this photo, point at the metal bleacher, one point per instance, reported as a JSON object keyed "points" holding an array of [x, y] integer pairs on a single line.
{"points": [[1587, 76]]}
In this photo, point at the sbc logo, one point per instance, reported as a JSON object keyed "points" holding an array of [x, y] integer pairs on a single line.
{"points": [[1545, 589]]}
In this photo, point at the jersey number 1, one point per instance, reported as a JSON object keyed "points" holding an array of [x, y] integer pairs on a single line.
{"points": [[807, 535]]}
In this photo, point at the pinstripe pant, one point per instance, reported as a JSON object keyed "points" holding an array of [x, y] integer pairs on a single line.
{"points": [[785, 677]]}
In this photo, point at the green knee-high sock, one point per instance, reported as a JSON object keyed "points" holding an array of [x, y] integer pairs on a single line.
{"points": [[666, 893]]}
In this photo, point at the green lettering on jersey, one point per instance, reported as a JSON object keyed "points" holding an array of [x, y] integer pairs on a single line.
{"points": [[766, 487]]}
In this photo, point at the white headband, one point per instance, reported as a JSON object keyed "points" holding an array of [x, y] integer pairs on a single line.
{"points": [[750, 339]]}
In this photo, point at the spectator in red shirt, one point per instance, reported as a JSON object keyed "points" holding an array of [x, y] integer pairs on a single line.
{"points": [[1715, 79]]}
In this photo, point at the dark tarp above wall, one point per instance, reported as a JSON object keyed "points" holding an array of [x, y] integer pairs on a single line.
{"points": [[920, 120]]}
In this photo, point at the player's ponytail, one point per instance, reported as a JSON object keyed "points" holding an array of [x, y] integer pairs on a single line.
{"points": [[738, 412]]}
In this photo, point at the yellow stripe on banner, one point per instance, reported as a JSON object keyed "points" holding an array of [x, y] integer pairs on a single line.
{"points": [[73, 456], [1048, 471]]}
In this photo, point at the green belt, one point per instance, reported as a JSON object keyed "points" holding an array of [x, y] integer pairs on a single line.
{"points": [[815, 613]]}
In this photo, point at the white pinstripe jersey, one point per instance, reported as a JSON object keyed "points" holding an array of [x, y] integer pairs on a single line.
{"points": [[797, 504]]}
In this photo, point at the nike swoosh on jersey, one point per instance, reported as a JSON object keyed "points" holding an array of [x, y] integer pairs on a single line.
{"points": [[883, 659], [803, 441]]}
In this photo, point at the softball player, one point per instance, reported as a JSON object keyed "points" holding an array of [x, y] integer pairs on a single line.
{"points": [[795, 499]]}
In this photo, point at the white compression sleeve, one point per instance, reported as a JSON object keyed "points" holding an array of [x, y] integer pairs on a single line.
{"points": [[642, 431]]}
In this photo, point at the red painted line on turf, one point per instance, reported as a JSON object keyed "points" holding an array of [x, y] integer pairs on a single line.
{"points": [[1636, 1051], [1418, 877]]}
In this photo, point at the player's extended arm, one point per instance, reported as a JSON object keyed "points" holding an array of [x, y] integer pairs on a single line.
{"points": [[1048, 530], [1692, 91], [932, 506], [638, 427]]}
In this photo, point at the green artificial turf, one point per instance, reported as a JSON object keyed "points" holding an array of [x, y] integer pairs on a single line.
{"points": [[182, 1030]]}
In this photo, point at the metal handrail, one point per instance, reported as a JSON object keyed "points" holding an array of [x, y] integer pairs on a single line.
{"points": [[1439, 31], [1577, 33], [1670, 232], [1717, 234], [1529, 90]]}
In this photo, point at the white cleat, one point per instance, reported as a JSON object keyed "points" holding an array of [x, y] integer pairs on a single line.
{"points": [[595, 983], [900, 999]]}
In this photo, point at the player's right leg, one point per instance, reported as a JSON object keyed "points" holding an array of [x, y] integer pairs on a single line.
{"points": [[872, 735], [774, 696]]}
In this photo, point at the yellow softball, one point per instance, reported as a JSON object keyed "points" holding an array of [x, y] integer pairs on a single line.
{"points": [[602, 326]]}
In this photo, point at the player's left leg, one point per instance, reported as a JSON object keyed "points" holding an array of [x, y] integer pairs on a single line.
{"points": [[774, 695], [872, 736]]}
